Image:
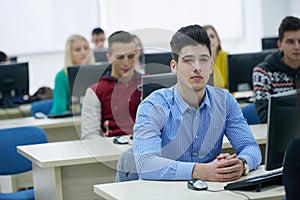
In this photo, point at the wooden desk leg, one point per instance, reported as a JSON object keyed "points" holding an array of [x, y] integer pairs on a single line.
{"points": [[47, 183]]}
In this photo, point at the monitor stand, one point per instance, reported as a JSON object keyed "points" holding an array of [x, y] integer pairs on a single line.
{"points": [[7, 100]]}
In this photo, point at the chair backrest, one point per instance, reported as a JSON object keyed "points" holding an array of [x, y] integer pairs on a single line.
{"points": [[43, 106], [11, 161], [250, 114]]}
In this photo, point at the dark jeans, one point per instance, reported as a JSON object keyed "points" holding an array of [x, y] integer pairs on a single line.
{"points": [[126, 169]]}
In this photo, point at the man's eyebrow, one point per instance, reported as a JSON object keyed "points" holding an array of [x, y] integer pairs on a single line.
{"points": [[204, 55], [193, 56], [119, 55], [188, 56]]}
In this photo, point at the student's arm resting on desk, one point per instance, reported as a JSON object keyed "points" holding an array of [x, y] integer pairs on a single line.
{"points": [[148, 147], [90, 116], [240, 136], [228, 167]]}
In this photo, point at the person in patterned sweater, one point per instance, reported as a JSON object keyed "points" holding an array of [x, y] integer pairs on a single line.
{"points": [[280, 71]]}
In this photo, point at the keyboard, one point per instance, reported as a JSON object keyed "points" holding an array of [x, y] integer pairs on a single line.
{"points": [[257, 182]]}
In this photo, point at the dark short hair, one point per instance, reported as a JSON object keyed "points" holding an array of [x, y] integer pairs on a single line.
{"points": [[97, 31], [189, 35], [289, 23], [3, 56], [120, 37]]}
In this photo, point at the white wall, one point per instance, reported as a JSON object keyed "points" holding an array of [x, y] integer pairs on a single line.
{"points": [[274, 11], [42, 68], [259, 18], [31, 26]]}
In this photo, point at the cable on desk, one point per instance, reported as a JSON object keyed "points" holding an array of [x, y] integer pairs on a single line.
{"points": [[240, 194], [214, 190]]}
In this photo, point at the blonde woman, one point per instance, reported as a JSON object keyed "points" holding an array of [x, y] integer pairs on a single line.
{"points": [[77, 52], [218, 56]]}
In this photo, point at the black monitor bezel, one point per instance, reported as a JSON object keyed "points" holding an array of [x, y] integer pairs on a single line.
{"points": [[269, 43], [236, 73], [275, 142], [157, 63], [154, 82], [90, 73], [19, 73]]}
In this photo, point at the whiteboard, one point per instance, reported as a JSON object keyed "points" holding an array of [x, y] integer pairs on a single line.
{"points": [[32, 26]]}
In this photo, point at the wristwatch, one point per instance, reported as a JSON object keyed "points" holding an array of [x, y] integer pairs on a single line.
{"points": [[245, 166]]}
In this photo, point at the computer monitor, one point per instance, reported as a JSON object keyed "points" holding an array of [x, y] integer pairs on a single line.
{"points": [[100, 55], [157, 63], [154, 82], [83, 76], [240, 67], [283, 125], [269, 43], [14, 83], [13, 58]]}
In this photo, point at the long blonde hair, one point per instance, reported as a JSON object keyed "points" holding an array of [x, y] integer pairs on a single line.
{"points": [[68, 50]]}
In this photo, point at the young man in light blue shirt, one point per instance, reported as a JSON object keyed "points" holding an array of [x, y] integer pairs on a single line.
{"points": [[179, 131]]}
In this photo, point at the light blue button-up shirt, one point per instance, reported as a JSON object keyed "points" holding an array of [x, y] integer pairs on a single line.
{"points": [[170, 136]]}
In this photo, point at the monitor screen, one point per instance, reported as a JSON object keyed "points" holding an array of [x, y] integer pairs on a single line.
{"points": [[157, 81], [269, 43], [283, 125], [83, 76], [14, 83], [13, 58], [240, 67], [157, 63], [100, 55]]}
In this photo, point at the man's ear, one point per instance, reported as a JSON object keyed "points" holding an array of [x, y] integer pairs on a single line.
{"points": [[173, 65], [279, 44]]}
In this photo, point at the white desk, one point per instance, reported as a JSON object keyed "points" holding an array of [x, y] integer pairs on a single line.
{"points": [[259, 131], [178, 190], [22, 111], [74, 162], [68, 170], [60, 129]]}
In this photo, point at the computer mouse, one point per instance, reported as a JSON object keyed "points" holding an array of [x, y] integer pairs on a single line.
{"points": [[39, 115], [197, 184], [120, 140]]}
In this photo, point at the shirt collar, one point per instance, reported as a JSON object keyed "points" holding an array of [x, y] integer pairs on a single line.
{"points": [[184, 106]]}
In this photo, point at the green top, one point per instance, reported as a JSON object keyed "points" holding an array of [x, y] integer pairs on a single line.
{"points": [[61, 94]]}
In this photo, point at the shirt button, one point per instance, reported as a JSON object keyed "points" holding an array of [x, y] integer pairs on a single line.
{"points": [[196, 136], [195, 154]]}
